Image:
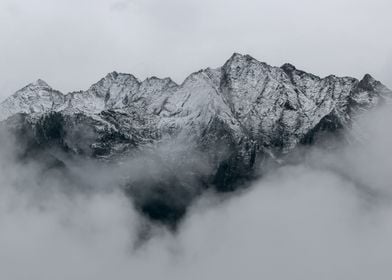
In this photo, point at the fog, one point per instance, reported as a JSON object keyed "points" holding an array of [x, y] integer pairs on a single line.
{"points": [[325, 214]]}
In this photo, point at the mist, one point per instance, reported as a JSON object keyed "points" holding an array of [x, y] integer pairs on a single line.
{"points": [[325, 213]]}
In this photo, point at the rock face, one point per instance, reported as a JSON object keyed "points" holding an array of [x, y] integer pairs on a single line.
{"points": [[238, 114]]}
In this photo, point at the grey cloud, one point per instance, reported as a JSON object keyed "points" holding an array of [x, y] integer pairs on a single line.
{"points": [[309, 219], [72, 44]]}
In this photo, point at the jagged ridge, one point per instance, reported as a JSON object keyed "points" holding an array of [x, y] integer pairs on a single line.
{"points": [[242, 112], [250, 97]]}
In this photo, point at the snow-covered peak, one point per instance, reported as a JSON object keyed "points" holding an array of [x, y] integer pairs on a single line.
{"points": [[368, 83], [288, 67], [113, 80], [110, 92], [35, 98], [40, 83], [238, 57]]}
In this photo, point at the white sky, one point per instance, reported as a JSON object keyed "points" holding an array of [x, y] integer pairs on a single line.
{"points": [[73, 43]]}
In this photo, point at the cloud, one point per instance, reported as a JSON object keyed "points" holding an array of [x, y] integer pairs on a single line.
{"points": [[326, 215], [72, 44]]}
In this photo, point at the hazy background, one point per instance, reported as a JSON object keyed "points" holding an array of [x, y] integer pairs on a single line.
{"points": [[73, 43]]}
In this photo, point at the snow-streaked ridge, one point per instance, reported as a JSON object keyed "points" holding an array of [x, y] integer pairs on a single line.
{"points": [[252, 99]]}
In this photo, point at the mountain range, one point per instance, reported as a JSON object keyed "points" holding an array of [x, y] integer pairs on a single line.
{"points": [[223, 124]]}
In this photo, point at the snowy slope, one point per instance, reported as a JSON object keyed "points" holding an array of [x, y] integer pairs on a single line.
{"points": [[252, 101]]}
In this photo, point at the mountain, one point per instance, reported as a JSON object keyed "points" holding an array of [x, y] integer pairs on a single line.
{"points": [[237, 115]]}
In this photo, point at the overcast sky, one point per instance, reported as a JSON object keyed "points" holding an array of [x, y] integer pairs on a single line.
{"points": [[73, 43]]}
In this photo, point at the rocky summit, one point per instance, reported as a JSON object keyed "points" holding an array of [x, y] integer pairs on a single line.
{"points": [[210, 132]]}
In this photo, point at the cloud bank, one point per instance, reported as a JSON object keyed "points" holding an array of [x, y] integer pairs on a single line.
{"points": [[324, 215]]}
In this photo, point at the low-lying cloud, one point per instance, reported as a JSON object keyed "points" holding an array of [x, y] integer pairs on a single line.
{"points": [[326, 216]]}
